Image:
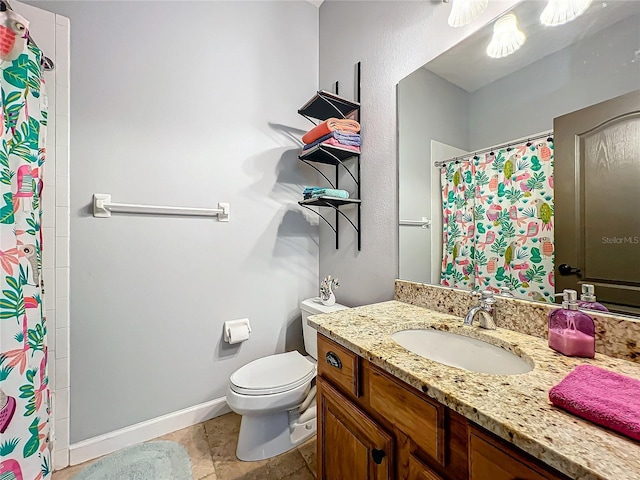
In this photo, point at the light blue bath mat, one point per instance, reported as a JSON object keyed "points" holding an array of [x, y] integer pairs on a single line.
{"points": [[159, 460]]}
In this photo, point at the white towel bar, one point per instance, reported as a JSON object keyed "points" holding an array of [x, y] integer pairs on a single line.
{"points": [[103, 207], [424, 223]]}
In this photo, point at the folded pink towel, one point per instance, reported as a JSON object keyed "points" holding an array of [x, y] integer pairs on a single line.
{"points": [[603, 397], [334, 142]]}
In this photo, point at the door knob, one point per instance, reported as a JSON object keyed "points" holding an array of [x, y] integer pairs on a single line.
{"points": [[565, 269], [377, 455]]}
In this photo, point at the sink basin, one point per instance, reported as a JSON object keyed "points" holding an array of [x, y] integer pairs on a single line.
{"points": [[461, 351]]}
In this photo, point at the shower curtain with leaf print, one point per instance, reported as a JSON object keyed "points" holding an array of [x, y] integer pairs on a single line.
{"points": [[24, 390], [458, 235], [508, 220]]}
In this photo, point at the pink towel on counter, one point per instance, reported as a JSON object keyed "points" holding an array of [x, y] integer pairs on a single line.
{"points": [[603, 397]]}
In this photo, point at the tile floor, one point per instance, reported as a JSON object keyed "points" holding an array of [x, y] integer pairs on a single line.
{"points": [[212, 445]]}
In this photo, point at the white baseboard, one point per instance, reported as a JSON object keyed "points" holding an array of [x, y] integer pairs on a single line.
{"points": [[60, 459], [141, 432]]}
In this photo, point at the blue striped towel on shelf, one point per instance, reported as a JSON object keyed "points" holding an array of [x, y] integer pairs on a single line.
{"points": [[315, 192]]}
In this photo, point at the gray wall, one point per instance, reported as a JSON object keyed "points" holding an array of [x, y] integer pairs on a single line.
{"points": [[429, 108], [392, 39], [598, 68], [184, 103]]}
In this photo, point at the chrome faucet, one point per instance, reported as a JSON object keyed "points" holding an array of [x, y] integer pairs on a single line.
{"points": [[486, 310]]}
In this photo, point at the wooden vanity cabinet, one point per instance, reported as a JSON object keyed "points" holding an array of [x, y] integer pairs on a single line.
{"points": [[372, 426], [491, 458], [419, 471], [353, 446]]}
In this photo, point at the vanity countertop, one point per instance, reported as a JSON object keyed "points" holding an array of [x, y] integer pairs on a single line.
{"points": [[514, 407]]}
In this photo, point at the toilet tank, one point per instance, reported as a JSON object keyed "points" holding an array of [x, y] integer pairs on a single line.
{"points": [[313, 306]]}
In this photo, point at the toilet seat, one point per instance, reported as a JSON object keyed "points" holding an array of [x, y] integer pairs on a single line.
{"points": [[273, 374]]}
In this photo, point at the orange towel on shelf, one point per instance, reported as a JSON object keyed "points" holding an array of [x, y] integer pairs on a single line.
{"points": [[330, 125]]}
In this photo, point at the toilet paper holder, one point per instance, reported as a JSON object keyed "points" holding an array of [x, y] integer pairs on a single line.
{"points": [[236, 331]]}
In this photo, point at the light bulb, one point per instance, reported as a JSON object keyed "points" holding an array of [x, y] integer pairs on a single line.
{"points": [[464, 12], [507, 37], [559, 12]]}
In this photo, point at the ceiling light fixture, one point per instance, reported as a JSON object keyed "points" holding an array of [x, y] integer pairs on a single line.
{"points": [[559, 12], [507, 37], [464, 12]]}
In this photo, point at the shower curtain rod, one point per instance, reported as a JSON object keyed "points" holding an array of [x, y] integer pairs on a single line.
{"points": [[47, 63], [490, 149]]}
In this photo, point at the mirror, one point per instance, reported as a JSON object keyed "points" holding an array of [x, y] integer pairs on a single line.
{"points": [[505, 122]]}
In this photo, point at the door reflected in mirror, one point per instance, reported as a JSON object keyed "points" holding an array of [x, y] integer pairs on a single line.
{"points": [[540, 155]]}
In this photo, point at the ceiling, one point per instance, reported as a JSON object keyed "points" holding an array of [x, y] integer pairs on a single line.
{"points": [[453, 65]]}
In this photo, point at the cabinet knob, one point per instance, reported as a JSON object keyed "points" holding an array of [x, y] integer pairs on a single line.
{"points": [[377, 455], [333, 360]]}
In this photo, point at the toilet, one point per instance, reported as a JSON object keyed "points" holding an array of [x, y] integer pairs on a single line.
{"points": [[275, 395]]}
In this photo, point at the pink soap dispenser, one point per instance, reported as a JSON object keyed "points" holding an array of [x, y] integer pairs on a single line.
{"points": [[572, 332], [588, 299]]}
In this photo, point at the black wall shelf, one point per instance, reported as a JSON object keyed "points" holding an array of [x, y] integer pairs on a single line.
{"points": [[325, 201], [322, 106], [327, 154]]}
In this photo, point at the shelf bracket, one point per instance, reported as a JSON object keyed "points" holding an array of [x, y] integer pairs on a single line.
{"points": [[319, 171], [320, 215], [338, 161], [310, 119], [338, 212]]}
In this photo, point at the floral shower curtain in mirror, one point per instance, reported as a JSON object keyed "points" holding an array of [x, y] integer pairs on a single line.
{"points": [[458, 235], [509, 239], [24, 389]]}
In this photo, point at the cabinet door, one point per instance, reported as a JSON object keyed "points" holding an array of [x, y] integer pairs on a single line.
{"points": [[489, 459], [350, 444], [399, 403], [419, 471]]}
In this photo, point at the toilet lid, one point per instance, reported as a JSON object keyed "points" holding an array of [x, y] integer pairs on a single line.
{"points": [[273, 374]]}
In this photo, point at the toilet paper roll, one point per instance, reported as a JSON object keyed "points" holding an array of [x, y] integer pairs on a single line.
{"points": [[238, 333]]}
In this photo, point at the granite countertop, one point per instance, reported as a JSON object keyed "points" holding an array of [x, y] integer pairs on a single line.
{"points": [[514, 407]]}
